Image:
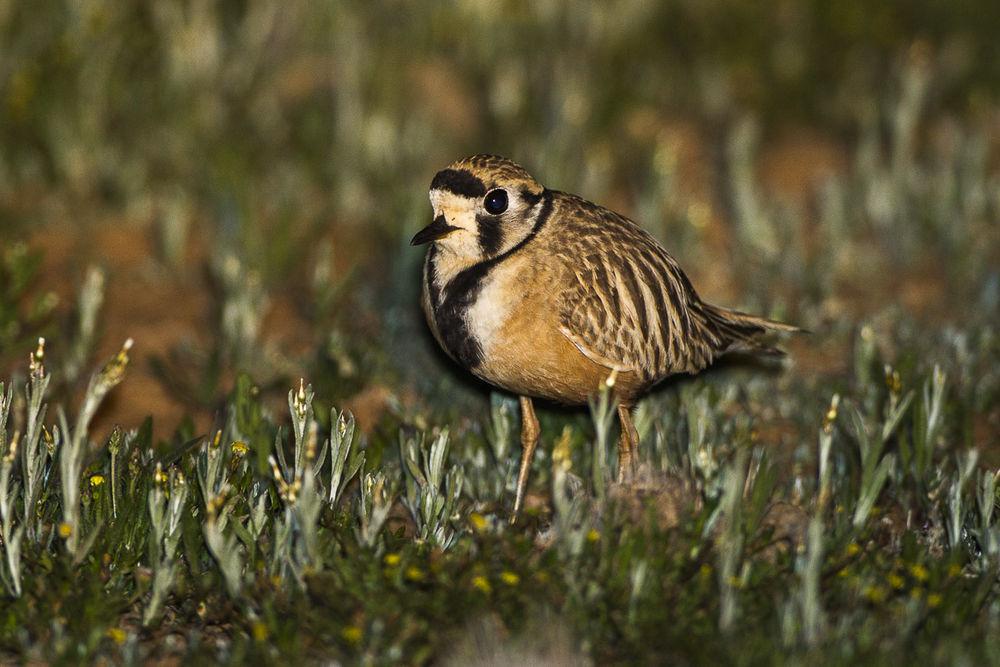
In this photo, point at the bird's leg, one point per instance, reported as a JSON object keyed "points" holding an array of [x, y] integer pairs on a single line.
{"points": [[628, 445], [529, 438]]}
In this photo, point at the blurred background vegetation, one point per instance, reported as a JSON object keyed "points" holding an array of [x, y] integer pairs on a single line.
{"points": [[804, 157]]}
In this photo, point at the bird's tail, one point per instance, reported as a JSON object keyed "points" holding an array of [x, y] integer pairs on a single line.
{"points": [[743, 332]]}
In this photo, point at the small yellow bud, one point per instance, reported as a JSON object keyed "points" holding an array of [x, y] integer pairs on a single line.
{"points": [[876, 594], [36, 368], [478, 521], [65, 530], [414, 573], [352, 634], [392, 560], [510, 578], [259, 631], [934, 600], [117, 635], [593, 535], [561, 458], [482, 584], [831, 414], [919, 572]]}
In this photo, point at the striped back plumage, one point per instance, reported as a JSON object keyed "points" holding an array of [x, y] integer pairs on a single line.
{"points": [[627, 303]]}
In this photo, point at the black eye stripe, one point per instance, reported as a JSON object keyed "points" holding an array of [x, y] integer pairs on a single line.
{"points": [[530, 197], [459, 182]]}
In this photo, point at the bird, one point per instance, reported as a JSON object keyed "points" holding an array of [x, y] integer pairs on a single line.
{"points": [[549, 296]]}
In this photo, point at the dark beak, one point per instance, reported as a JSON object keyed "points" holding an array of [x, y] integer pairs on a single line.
{"points": [[433, 231]]}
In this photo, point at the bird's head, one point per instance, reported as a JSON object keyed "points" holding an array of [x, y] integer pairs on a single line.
{"points": [[483, 206]]}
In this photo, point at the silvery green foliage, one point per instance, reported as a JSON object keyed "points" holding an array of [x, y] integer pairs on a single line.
{"points": [[223, 544], [73, 445], [729, 543], [89, 305], [431, 492], [167, 504], [754, 224], [701, 460], [244, 303], [213, 476], [259, 517], [295, 547], [34, 457], [875, 468], [345, 458], [10, 568], [571, 520], [927, 425], [966, 466], [491, 468], [986, 534], [802, 616], [373, 505], [602, 413]]}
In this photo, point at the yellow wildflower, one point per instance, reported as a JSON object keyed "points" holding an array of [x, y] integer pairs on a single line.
{"points": [[414, 573], [482, 584], [117, 635], [593, 535], [392, 560], [65, 530], [853, 549], [919, 572], [510, 578], [876, 594], [478, 521], [96, 480], [352, 634], [239, 448], [934, 600], [896, 581], [259, 631]]}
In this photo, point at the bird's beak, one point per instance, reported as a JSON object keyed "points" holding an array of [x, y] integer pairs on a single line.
{"points": [[432, 232]]}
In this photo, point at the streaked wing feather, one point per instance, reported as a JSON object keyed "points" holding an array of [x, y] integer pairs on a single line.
{"points": [[625, 302]]}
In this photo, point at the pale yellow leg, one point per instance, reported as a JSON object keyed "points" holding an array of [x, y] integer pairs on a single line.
{"points": [[529, 439], [628, 445]]}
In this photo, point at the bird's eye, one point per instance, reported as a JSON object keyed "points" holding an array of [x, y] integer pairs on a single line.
{"points": [[495, 202]]}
